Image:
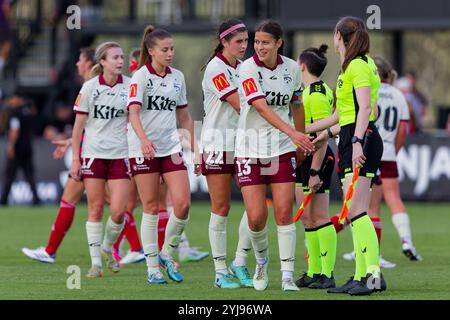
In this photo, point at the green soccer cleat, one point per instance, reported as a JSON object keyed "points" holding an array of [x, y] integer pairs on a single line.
{"points": [[241, 273], [225, 281]]}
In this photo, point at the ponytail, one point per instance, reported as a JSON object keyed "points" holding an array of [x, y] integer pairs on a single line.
{"points": [[144, 56], [314, 59], [151, 34], [356, 38]]}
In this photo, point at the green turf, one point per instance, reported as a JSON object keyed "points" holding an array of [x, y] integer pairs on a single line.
{"points": [[21, 278]]}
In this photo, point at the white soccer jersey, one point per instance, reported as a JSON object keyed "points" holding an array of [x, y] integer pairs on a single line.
{"points": [[255, 137], [106, 126], [159, 97], [393, 109], [220, 120]]}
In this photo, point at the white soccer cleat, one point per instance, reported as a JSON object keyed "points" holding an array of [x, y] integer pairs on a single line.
{"points": [[288, 285], [133, 257], [39, 254], [95, 272], [386, 264], [349, 256], [261, 277]]}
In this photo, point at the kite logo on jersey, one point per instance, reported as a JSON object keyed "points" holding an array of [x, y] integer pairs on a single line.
{"points": [[249, 87], [77, 101], [221, 82], [133, 90]]}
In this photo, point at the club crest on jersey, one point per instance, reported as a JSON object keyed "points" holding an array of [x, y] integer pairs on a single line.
{"points": [[340, 83], [220, 82], [287, 78], [133, 90], [77, 101], [123, 95], [249, 86], [177, 86]]}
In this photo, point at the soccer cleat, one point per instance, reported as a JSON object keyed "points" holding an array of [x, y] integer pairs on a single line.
{"points": [[368, 285], [410, 252], [171, 269], [95, 272], [116, 254], [261, 277], [224, 281], [156, 278], [133, 257], [111, 263], [241, 273], [386, 264], [323, 283], [39, 254], [306, 280], [349, 256], [345, 288], [288, 285], [192, 255]]}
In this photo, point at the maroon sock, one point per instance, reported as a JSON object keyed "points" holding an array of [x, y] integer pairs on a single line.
{"points": [[61, 225]]}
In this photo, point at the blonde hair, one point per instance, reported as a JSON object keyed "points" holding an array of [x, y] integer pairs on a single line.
{"points": [[385, 69], [100, 54]]}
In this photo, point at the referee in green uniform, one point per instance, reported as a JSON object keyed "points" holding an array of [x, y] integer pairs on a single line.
{"points": [[314, 174], [359, 145]]}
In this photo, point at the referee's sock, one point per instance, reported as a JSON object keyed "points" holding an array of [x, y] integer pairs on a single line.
{"points": [[364, 232], [327, 242], [313, 246]]}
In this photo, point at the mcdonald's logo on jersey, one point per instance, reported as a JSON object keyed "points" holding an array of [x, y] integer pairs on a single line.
{"points": [[133, 90], [77, 101], [221, 82], [249, 86]]}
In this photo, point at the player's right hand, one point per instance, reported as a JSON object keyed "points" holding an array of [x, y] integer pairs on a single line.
{"points": [[148, 149], [75, 169], [61, 148], [302, 141]]}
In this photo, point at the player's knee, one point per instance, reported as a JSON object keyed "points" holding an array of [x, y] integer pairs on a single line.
{"points": [[150, 206], [221, 208], [96, 211]]}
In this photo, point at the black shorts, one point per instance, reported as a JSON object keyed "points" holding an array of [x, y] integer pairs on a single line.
{"points": [[372, 149], [326, 171]]}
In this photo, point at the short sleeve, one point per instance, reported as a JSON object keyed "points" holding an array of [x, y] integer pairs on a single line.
{"points": [[182, 100], [297, 95], [250, 86], [218, 81], [14, 123], [403, 107], [136, 89], [82, 102], [359, 72]]}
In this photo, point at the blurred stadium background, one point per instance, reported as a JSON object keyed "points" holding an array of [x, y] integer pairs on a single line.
{"points": [[40, 66]]}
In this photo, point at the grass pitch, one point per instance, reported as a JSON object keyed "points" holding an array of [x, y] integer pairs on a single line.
{"points": [[22, 278]]}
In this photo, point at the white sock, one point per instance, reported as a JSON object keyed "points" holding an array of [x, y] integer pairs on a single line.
{"points": [[94, 237], [112, 232], [149, 238], [401, 223], [244, 243], [260, 243], [174, 229], [184, 242], [287, 275], [286, 243], [218, 240]]}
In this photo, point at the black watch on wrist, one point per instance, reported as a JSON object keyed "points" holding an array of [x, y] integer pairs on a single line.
{"points": [[313, 173], [330, 133], [355, 139]]}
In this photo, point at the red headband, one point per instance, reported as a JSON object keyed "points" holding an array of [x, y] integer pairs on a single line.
{"points": [[231, 29]]}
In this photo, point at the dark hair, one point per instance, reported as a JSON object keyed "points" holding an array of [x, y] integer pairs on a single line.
{"points": [[151, 34], [89, 53], [355, 36], [224, 26], [274, 28], [314, 59], [135, 54], [385, 70]]}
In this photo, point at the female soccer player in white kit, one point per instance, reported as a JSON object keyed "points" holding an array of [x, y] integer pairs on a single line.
{"points": [[265, 148], [101, 111], [222, 107], [156, 101]]}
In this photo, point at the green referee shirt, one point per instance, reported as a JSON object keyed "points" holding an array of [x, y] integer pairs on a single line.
{"points": [[361, 72], [317, 101]]}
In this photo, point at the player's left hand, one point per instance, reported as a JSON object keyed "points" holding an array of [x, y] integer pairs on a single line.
{"points": [[315, 183], [358, 157]]}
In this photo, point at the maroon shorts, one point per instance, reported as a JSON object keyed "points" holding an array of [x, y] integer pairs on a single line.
{"points": [[162, 165], [388, 169], [108, 169], [217, 162], [256, 171]]}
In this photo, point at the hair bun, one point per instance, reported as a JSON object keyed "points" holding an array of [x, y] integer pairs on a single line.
{"points": [[323, 48]]}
